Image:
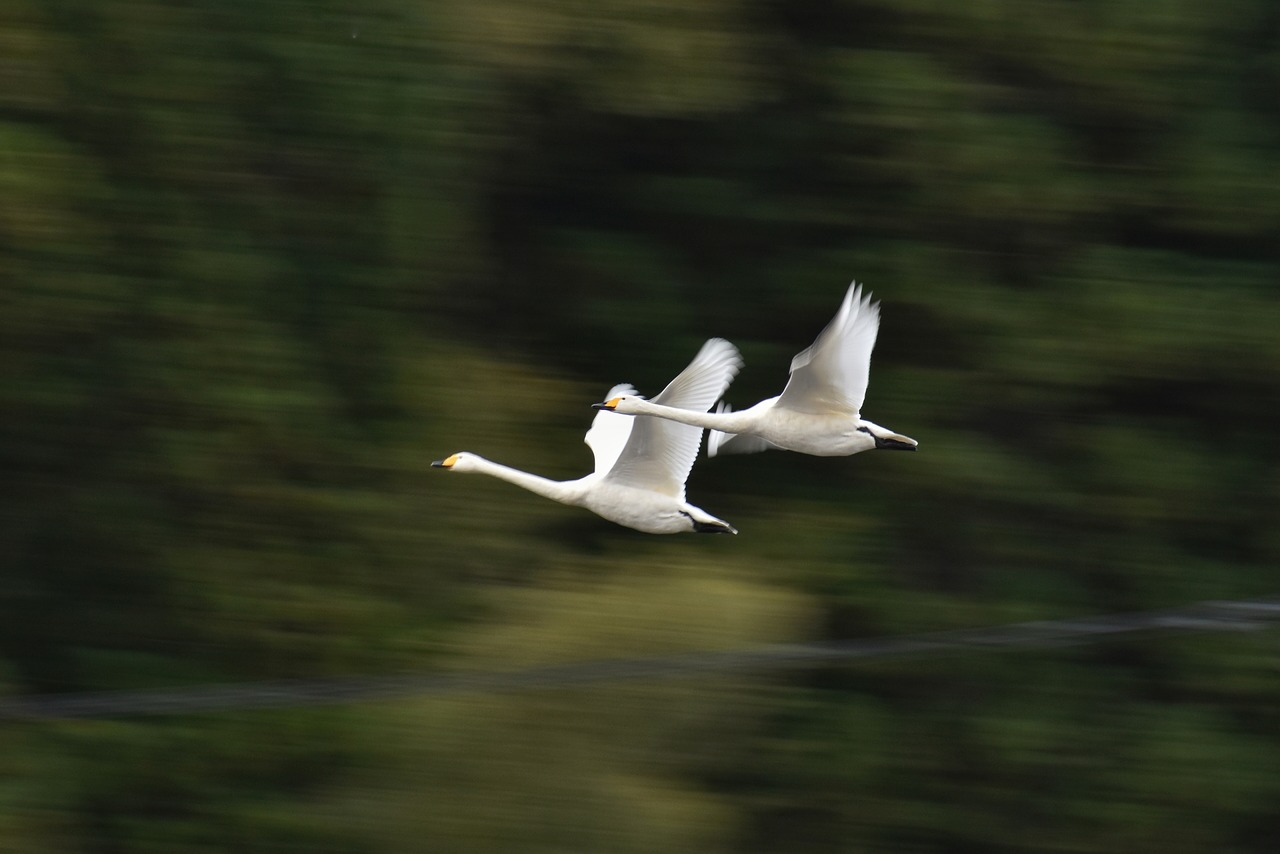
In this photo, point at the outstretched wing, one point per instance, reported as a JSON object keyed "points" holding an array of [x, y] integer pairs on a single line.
{"points": [[831, 375], [609, 431], [659, 453]]}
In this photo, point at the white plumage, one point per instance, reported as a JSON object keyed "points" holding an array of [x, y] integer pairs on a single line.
{"points": [[820, 410], [640, 465]]}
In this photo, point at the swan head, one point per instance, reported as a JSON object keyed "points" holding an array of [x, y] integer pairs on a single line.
{"points": [[624, 404], [885, 439], [461, 461]]}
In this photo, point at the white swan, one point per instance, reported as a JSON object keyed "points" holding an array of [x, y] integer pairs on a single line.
{"points": [[641, 464], [817, 413]]}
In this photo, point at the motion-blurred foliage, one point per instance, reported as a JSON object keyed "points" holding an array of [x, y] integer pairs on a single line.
{"points": [[263, 262]]}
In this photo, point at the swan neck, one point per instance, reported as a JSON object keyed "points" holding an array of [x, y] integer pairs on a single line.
{"points": [[732, 422], [553, 489], [682, 416]]}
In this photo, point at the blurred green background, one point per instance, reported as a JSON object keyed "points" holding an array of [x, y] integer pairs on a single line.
{"points": [[262, 262]]}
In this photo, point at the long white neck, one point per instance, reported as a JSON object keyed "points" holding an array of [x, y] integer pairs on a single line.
{"points": [[729, 422], [566, 492]]}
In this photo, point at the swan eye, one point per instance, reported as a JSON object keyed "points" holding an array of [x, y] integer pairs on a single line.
{"points": [[864, 430]]}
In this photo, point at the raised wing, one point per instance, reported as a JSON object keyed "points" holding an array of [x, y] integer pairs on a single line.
{"points": [[660, 453], [831, 375], [609, 431]]}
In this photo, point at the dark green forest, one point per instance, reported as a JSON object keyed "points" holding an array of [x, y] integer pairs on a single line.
{"points": [[261, 263]]}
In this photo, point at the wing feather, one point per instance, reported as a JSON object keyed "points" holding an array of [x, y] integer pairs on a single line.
{"points": [[660, 453], [736, 443], [831, 374]]}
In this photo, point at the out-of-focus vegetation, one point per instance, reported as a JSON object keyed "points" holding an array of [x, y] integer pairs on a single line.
{"points": [[263, 261]]}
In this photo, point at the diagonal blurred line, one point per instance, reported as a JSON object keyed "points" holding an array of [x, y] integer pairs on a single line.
{"points": [[1250, 615]]}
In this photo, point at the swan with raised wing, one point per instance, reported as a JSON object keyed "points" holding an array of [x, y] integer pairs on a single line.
{"points": [[820, 410], [641, 465]]}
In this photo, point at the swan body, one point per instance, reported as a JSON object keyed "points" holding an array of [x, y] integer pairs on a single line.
{"points": [[641, 465], [819, 411]]}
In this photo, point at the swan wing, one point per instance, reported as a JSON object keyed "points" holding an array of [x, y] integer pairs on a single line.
{"points": [[609, 431], [659, 453], [735, 443], [831, 375]]}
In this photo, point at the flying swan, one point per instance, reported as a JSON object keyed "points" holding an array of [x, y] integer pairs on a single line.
{"points": [[817, 413], [641, 464]]}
